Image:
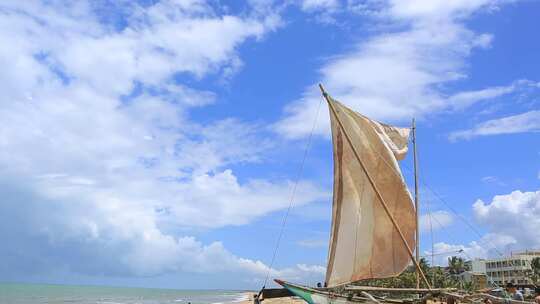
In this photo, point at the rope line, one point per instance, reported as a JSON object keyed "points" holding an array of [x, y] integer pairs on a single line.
{"points": [[491, 244], [428, 204], [431, 218], [463, 219], [486, 241], [469, 225], [293, 194], [462, 251]]}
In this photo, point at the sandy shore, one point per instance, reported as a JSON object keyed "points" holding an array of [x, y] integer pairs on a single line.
{"points": [[288, 300], [296, 300]]}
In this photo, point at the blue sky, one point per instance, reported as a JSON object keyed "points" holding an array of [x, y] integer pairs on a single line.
{"points": [[156, 143]]}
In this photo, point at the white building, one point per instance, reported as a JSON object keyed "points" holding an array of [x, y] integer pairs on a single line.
{"points": [[516, 268], [478, 266], [477, 278]]}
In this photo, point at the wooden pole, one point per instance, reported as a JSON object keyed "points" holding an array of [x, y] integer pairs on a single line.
{"points": [[416, 201], [388, 289], [385, 207]]}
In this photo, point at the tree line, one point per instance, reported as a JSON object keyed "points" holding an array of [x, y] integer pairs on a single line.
{"points": [[441, 277]]}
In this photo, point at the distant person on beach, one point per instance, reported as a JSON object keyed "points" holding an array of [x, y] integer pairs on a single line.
{"points": [[537, 295], [513, 292], [257, 298]]}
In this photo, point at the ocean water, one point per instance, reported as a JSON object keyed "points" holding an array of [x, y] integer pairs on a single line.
{"points": [[57, 294]]}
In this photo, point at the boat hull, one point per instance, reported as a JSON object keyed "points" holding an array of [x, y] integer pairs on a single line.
{"points": [[314, 296]]}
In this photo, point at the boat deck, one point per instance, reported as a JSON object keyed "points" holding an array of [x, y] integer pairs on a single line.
{"points": [[297, 300]]}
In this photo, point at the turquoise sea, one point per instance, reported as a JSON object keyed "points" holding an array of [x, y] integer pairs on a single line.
{"points": [[55, 294]]}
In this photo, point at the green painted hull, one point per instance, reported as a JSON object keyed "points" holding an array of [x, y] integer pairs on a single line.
{"points": [[314, 296]]}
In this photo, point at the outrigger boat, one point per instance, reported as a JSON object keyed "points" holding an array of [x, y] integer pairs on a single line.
{"points": [[374, 230]]}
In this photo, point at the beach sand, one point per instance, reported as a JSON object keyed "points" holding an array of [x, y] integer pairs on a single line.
{"points": [[287, 300], [297, 300]]}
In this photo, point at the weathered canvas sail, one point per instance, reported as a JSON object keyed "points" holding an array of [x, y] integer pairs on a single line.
{"points": [[364, 243]]}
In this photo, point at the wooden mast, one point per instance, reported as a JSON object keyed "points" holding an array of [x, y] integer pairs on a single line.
{"points": [[416, 202], [377, 192]]}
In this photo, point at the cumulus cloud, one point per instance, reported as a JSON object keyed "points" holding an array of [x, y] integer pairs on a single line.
{"points": [[101, 164], [108, 239], [514, 215], [396, 75], [490, 245], [512, 221]]}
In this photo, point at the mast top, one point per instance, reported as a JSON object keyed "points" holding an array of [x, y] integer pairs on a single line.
{"points": [[322, 90]]}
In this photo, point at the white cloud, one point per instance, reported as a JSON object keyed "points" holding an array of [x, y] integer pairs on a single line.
{"points": [[512, 221], [101, 164], [436, 9], [157, 42], [106, 238], [312, 268], [442, 251], [490, 245], [465, 99], [312, 5], [218, 200], [515, 215], [489, 179], [520, 123], [493, 180], [436, 220], [398, 75]]}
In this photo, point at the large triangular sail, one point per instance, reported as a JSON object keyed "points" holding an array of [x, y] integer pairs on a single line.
{"points": [[364, 243]]}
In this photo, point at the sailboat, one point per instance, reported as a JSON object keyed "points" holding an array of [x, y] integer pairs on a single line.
{"points": [[374, 232], [374, 223]]}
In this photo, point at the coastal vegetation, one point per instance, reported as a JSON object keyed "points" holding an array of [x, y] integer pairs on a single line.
{"points": [[535, 269], [438, 276]]}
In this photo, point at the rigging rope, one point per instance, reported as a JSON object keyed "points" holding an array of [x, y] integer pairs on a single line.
{"points": [[445, 203], [463, 219], [293, 194], [449, 234], [462, 251], [432, 245]]}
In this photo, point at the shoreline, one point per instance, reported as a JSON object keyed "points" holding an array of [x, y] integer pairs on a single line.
{"points": [[285, 300]]}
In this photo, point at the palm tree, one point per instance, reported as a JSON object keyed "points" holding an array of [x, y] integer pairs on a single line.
{"points": [[424, 265], [535, 266], [434, 274], [456, 265]]}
